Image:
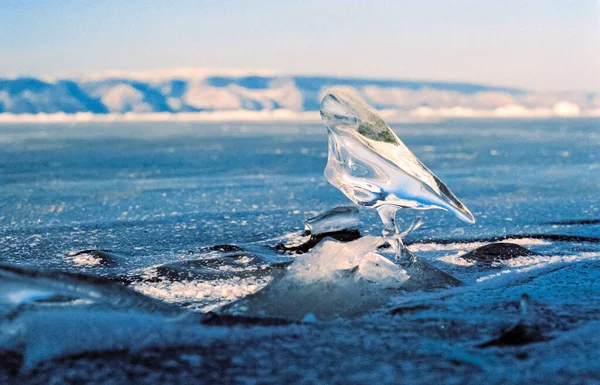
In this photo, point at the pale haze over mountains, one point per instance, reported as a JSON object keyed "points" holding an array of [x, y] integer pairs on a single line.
{"points": [[201, 94]]}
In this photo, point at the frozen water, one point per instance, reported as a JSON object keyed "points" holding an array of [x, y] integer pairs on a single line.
{"points": [[21, 287], [342, 279], [52, 333], [45, 315], [333, 279], [337, 219], [372, 167], [330, 257], [163, 195], [376, 268]]}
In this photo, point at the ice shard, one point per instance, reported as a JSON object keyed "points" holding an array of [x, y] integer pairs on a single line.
{"points": [[337, 219], [372, 167]]}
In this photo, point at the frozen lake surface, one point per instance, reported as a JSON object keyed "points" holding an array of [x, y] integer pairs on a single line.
{"points": [[170, 201]]}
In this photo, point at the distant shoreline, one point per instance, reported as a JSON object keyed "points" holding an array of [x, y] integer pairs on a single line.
{"points": [[200, 95], [423, 114]]}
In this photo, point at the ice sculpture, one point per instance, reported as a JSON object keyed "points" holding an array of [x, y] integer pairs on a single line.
{"points": [[372, 167]]}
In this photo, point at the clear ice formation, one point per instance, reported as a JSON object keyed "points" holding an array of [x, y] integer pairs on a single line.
{"points": [[45, 315], [21, 289], [372, 167], [337, 219], [334, 279], [340, 279]]}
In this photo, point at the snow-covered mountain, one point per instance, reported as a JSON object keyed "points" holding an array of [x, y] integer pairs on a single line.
{"points": [[201, 92]]}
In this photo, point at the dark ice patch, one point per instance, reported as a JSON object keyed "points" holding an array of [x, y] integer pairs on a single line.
{"points": [[497, 252], [106, 258], [10, 363], [546, 237], [224, 248], [216, 319], [402, 310], [575, 222], [228, 266], [343, 236], [520, 334], [528, 330]]}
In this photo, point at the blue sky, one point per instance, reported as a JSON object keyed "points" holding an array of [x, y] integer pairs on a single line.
{"points": [[542, 45]]}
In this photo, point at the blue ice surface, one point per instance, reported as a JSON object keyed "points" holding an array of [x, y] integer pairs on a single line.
{"points": [[139, 187], [157, 192]]}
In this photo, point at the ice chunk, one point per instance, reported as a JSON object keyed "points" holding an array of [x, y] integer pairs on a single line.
{"points": [[340, 279], [95, 258], [340, 223], [325, 261], [376, 268], [336, 219], [22, 287], [47, 334], [45, 314], [372, 167], [334, 279]]}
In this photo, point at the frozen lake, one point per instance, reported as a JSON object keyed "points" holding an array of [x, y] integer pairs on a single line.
{"points": [[162, 194]]}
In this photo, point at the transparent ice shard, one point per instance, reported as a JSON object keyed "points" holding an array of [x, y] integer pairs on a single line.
{"points": [[337, 219], [372, 167]]}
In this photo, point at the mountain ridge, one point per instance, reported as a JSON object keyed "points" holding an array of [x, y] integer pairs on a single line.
{"points": [[186, 91]]}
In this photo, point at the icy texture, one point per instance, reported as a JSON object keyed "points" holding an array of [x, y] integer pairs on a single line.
{"points": [[334, 279], [340, 279], [242, 264], [45, 315], [20, 288], [375, 268], [337, 219], [326, 261], [426, 336], [51, 333], [372, 167]]}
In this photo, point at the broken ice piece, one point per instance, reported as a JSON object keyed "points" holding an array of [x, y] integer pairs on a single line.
{"points": [[336, 219], [339, 223], [378, 269]]}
